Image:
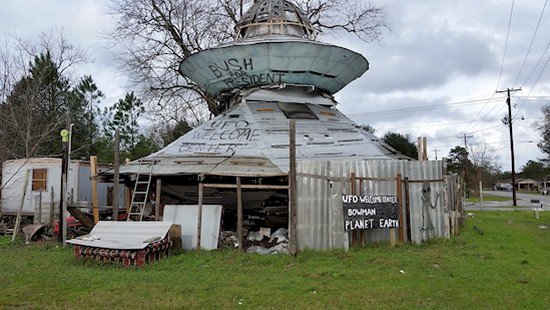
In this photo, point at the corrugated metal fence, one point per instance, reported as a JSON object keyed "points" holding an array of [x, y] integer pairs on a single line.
{"points": [[433, 200]]}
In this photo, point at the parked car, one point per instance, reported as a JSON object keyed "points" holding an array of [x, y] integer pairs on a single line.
{"points": [[503, 187]]}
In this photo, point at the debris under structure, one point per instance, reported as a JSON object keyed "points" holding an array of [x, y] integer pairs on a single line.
{"points": [[274, 73]]}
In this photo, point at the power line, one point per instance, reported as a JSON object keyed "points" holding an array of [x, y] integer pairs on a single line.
{"points": [[530, 44], [534, 84], [506, 44], [445, 105]]}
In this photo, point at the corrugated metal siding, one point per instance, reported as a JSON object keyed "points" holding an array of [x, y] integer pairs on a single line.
{"points": [[320, 186]]}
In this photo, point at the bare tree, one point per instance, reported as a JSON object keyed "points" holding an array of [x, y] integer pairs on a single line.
{"points": [[156, 35], [485, 157], [34, 82]]}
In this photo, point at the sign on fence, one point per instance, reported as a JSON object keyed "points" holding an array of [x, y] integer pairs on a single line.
{"points": [[368, 212]]}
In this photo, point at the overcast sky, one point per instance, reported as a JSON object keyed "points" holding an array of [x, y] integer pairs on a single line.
{"points": [[434, 74]]}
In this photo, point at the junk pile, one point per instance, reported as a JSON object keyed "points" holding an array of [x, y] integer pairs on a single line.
{"points": [[264, 242]]}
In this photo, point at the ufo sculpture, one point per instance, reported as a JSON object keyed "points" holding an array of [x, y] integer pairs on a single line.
{"points": [[273, 72]]}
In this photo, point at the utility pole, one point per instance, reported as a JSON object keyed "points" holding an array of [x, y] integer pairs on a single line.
{"points": [[435, 151], [62, 193], [509, 123], [466, 137]]}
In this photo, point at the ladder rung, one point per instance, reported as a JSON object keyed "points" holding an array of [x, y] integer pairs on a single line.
{"points": [[140, 193]]}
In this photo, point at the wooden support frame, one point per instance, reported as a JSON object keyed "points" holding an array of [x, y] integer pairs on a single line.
{"points": [[239, 188], [240, 214]]}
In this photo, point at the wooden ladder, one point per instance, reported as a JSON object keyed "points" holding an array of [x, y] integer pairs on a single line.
{"points": [[141, 191]]}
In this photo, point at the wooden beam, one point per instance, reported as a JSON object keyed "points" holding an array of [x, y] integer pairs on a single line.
{"points": [[95, 202], [199, 217], [40, 207], [293, 199], [245, 186], [116, 179], [21, 203], [239, 214], [157, 199], [400, 201], [352, 233], [408, 209], [52, 206]]}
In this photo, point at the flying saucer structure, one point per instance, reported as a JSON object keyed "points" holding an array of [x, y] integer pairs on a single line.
{"points": [[274, 72]]}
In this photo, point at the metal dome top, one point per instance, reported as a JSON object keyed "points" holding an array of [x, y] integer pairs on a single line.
{"points": [[274, 17]]}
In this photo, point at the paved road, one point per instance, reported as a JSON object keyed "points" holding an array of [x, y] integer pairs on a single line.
{"points": [[523, 202]]}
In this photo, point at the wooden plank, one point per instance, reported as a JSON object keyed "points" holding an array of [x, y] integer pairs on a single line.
{"points": [[52, 207], [239, 214], [362, 233], [95, 202], [157, 199], [116, 178], [389, 179], [400, 201], [199, 217], [352, 179], [81, 217], [21, 203], [40, 207], [408, 209], [245, 186], [293, 199]]}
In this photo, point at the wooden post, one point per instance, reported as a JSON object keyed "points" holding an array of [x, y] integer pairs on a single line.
{"points": [[93, 173], [199, 216], [481, 193], [353, 192], [21, 203], [239, 214], [400, 201], [408, 210], [52, 206], [157, 199], [40, 207], [116, 179], [362, 233], [293, 199]]}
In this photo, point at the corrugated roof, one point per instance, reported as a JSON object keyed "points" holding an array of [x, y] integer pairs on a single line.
{"points": [[252, 138]]}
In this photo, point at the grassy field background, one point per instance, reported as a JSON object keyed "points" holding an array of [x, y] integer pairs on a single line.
{"points": [[506, 267]]}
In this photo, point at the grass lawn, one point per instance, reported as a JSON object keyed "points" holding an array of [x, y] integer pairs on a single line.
{"points": [[506, 267], [488, 198]]}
